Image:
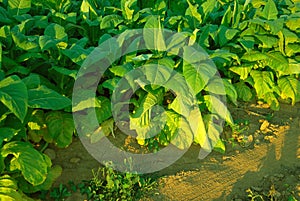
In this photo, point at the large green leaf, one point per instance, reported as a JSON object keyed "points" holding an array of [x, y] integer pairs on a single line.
{"points": [[13, 94], [193, 15], [142, 121], [45, 98], [293, 23], [230, 91], [263, 82], [19, 7], [290, 88], [9, 189], [77, 53], [244, 92], [198, 129], [197, 75], [126, 8], [60, 128], [28, 43], [56, 31], [88, 9], [216, 86], [277, 62], [111, 21], [216, 106], [183, 137], [242, 70], [53, 174], [26, 159], [6, 134], [270, 11], [153, 34]]}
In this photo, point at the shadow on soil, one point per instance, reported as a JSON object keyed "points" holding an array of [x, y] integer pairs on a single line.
{"points": [[282, 161]]}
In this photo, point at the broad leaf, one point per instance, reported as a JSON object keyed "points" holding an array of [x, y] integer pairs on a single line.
{"points": [[111, 21], [153, 34], [13, 94], [290, 88], [60, 128], [9, 189], [28, 43], [244, 92], [198, 129], [270, 11], [216, 106], [263, 82], [197, 75], [45, 98], [243, 71], [19, 7], [6, 134], [26, 159]]}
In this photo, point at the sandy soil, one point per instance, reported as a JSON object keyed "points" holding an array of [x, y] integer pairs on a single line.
{"points": [[267, 161]]}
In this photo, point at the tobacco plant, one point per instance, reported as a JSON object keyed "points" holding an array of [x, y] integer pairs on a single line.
{"points": [[254, 46]]}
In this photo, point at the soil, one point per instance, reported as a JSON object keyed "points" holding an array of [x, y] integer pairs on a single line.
{"points": [[262, 160]]}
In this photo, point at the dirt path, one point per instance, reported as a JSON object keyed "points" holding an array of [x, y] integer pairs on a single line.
{"points": [[272, 158]]}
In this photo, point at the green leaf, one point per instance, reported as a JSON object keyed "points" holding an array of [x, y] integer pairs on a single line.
{"points": [[106, 128], [277, 62], [45, 98], [111, 21], [271, 99], [153, 34], [141, 119], [60, 128], [243, 71], [247, 42], [55, 31], [65, 71], [208, 7], [270, 11], [104, 111], [13, 94], [121, 70], [263, 82], [193, 14], [28, 160], [6, 134], [9, 189], [216, 106], [244, 92], [126, 11], [230, 91], [77, 53], [53, 174], [225, 34], [214, 131], [216, 86], [254, 56], [198, 129], [267, 41], [91, 102], [183, 137], [28, 43], [19, 7], [197, 75], [290, 88], [293, 23], [88, 9]]}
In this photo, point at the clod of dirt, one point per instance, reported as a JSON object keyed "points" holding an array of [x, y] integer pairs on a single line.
{"points": [[51, 153], [264, 125], [75, 160]]}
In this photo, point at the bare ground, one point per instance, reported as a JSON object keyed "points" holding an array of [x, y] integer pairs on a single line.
{"points": [[267, 161]]}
